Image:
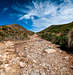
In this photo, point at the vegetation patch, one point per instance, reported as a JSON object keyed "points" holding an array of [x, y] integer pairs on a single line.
{"points": [[59, 34], [14, 32]]}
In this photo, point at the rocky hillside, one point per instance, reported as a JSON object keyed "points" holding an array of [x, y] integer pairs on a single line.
{"points": [[59, 34], [13, 32]]}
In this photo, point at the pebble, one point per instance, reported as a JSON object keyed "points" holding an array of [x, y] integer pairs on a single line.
{"points": [[2, 72], [34, 72], [50, 50], [71, 67], [22, 64]]}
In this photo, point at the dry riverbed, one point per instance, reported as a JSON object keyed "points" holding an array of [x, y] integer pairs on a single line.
{"points": [[34, 57]]}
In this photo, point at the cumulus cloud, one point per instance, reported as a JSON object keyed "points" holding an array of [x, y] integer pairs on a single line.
{"points": [[44, 14]]}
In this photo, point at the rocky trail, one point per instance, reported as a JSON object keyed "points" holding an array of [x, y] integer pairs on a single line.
{"points": [[34, 57]]}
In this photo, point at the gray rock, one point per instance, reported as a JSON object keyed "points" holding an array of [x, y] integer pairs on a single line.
{"points": [[35, 72], [42, 73]]}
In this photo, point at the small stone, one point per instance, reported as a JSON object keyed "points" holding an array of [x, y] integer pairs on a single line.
{"points": [[2, 72], [71, 67], [66, 57], [22, 64], [0, 55], [20, 54], [50, 51], [6, 65], [34, 72], [1, 62], [42, 73], [34, 61]]}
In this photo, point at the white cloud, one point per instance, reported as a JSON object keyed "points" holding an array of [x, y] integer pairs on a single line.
{"points": [[48, 14]]}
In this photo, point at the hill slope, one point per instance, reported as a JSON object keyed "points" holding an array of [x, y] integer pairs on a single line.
{"points": [[59, 34], [14, 31]]}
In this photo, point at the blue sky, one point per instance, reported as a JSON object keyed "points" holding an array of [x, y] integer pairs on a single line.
{"points": [[36, 15]]}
